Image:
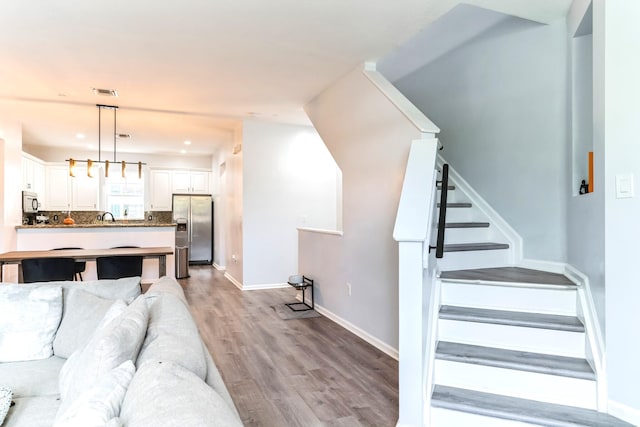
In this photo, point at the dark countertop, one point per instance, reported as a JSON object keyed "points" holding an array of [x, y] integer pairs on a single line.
{"points": [[116, 224]]}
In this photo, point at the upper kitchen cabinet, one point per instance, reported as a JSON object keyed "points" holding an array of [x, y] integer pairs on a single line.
{"points": [[33, 175], [160, 190], [85, 191], [191, 182], [79, 193], [58, 189]]}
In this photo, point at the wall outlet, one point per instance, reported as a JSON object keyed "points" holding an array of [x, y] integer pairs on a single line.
{"points": [[348, 288], [234, 258], [150, 217]]}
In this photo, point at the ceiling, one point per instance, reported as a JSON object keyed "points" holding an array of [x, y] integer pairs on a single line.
{"points": [[193, 70]]}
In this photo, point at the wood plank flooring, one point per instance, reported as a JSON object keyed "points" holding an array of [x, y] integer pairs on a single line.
{"points": [[306, 372]]}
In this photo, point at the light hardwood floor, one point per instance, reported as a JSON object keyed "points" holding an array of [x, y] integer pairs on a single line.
{"points": [[307, 372]]}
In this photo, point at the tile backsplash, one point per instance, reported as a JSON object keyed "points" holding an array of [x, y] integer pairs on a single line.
{"points": [[91, 217]]}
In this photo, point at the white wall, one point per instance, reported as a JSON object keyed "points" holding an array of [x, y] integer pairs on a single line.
{"points": [[10, 189], [232, 205], [289, 181], [617, 108], [585, 219], [219, 167], [501, 101], [369, 138]]}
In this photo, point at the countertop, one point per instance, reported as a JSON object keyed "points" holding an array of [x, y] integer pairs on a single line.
{"points": [[116, 224]]}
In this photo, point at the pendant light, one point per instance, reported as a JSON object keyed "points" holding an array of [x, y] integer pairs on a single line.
{"points": [[72, 162]]}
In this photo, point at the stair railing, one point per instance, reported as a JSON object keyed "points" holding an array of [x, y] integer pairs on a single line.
{"points": [[414, 230], [442, 215]]}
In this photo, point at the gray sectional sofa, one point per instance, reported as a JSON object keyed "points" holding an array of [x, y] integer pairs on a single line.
{"points": [[101, 354]]}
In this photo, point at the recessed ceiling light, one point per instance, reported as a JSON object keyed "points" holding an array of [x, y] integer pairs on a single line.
{"points": [[105, 92], [183, 151], [187, 143], [81, 135]]}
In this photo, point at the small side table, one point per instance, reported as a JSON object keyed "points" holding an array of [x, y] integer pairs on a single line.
{"points": [[306, 283]]}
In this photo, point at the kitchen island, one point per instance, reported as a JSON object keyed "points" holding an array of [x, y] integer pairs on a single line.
{"points": [[97, 236]]}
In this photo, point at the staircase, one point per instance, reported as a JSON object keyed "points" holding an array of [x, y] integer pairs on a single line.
{"points": [[510, 349], [471, 241]]}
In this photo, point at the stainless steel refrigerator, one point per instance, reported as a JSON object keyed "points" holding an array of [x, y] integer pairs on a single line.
{"points": [[198, 233]]}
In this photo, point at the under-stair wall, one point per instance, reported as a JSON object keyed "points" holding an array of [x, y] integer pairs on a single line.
{"points": [[368, 128]]}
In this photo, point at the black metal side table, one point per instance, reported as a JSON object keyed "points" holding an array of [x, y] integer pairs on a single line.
{"points": [[306, 283]]}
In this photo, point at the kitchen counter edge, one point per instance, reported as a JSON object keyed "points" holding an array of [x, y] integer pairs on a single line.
{"points": [[116, 225]]}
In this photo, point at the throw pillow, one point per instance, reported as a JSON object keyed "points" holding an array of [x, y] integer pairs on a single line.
{"points": [[180, 399], [29, 320], [113, 343], [99, 404], [81, 314], [5, 402]]}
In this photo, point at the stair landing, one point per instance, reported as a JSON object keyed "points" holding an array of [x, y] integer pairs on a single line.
{"points": [[508, 274]]}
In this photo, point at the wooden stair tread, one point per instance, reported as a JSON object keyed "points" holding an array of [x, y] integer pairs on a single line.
{"points": [[482, 246], [512, 318], [457, 205], [466, 225], [522, 410], [449, 187], [507, 274], [571, 367]]}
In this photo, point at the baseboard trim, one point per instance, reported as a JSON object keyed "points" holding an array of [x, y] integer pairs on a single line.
{"points": [[549, 266], [380, 345], [219, 267], [258, 287], [624, 412], [232, 279], [264, 286]]}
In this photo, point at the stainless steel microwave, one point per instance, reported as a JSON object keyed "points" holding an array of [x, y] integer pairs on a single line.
{"points": [[29, 202]]}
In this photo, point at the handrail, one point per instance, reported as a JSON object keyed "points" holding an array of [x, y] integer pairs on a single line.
{"points": [[442, 217], [415, 208], [406, 107]]}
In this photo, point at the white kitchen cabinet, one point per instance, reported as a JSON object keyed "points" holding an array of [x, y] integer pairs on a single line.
{"points": [[33, 175], [85, 191], [181, 182], [191, 182], [58, 189], [79, 193], [160, 189]]}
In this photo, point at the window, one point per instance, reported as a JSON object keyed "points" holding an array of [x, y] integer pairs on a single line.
{"points": [[125, 196]]}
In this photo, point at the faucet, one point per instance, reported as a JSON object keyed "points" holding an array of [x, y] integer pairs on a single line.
{"points": [[105, 214]]}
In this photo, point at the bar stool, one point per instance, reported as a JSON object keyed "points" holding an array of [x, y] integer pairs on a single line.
{"points": [[117, 267], [47, 269], [80, 265]]}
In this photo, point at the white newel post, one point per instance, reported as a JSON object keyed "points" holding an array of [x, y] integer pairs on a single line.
{"points": [[411, 335]]}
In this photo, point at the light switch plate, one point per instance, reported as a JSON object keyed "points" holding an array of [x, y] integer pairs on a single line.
{"points": [[624, 186]]}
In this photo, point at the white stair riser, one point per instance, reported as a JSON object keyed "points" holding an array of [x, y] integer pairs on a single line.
{"points": [[516, 383], [453, 196], [468, 235], [536, 340], [441, 417], [464, 215], [531, 300], [474, 259]]}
